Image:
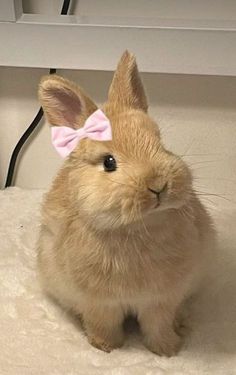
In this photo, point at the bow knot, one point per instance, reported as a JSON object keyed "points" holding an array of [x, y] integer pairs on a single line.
{"points": [[97, 127]]}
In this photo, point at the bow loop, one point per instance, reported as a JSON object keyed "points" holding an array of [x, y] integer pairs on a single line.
{"points": [[97, 127]]}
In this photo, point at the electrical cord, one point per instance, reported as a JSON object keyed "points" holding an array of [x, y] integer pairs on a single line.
{"points": [[32, 126]]}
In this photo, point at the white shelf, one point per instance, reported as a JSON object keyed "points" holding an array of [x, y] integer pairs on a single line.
{"points": [[189, 46]]}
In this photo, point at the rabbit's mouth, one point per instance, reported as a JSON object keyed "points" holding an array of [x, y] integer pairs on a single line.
{"points": [[165, 200], [158, 194], [157, 204]]}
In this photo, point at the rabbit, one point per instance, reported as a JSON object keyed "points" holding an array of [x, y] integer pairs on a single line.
{"points": [[122, 229]]}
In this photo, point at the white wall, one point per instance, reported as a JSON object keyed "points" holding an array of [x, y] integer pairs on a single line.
{"points": [[197, 115], [172, 9]]}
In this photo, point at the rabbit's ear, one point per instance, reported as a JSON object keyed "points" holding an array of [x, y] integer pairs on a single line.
{"points": [[64, 103], [126, 90]]}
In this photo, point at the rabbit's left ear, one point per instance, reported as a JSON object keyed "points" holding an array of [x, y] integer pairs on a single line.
{"points": [[126, 90], [64, 103]]}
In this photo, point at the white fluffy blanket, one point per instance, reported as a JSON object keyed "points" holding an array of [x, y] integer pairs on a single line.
{"points": [[36, 337]]}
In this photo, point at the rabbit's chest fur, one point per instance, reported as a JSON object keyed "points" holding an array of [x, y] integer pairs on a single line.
{"points": [[127, 266], [133, 264]]}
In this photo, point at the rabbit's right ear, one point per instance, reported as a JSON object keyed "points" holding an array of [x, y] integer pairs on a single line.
{"points": [[64, 103], [126, 90]]}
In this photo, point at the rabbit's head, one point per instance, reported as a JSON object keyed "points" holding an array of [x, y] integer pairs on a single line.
{"points": [[118, 182]]}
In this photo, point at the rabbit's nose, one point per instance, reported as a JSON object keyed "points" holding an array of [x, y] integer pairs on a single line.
{"points": [[154, 192], [157, 192]]}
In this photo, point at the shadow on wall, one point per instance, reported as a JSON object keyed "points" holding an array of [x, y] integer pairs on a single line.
{"points": [[18, 84], [166, 89]]}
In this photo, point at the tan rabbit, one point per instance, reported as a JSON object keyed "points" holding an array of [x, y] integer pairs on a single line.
{"points": [[122, 229]]}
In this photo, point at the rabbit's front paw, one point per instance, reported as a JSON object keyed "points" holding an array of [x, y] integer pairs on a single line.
{"points": [[167, 346], [156, 324], [104, 328], [107, 345]]}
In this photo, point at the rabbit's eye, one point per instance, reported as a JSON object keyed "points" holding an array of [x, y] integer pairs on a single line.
{"points": [[109, 163]]}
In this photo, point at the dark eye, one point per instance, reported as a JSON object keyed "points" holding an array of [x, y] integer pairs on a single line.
{"points": [[109, 163]]}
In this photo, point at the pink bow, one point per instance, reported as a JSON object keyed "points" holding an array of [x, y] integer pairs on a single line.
{"points": [[97, 127]]}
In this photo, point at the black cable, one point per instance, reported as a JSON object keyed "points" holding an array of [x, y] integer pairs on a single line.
{"points": [[33, 125], [65, 7]]}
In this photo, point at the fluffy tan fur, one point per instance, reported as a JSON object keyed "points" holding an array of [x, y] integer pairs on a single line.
{"points": [[109, 246]]}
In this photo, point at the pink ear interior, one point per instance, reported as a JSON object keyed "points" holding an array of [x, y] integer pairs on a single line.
{"points": [[66, 103]]}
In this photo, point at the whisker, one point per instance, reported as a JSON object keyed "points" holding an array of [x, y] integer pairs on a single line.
{"points": [[164, 130], [118, 182], [190, 145], [88, 185], [114, 222], [192, 155], [143, 222], [213, 178], [202, 167], [209, 200], [202, 193], [128, 236], [204, 162], [129, 176]]}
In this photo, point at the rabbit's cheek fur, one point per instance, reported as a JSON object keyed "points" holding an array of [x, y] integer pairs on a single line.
{"points": [[126, 202], [179, 188]]}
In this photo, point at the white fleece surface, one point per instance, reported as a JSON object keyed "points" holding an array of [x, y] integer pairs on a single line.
{"points": [[36, 337]]}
